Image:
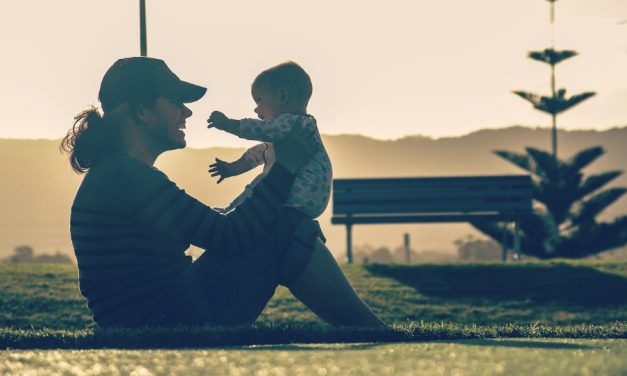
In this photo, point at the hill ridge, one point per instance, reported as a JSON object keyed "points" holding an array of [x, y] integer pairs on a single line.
{"points": [[37, 185]]}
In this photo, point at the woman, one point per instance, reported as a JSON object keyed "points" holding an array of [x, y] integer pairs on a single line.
{"points": [[130, 224]]}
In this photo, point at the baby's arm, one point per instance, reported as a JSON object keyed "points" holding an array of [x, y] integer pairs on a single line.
{"points": [[220, 121], [260, 130], [251, 158], [254, 156], [269, 130]]}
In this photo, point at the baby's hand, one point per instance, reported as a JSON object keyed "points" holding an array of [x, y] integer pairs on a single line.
{"points": [[218, 120], [222, 169]]}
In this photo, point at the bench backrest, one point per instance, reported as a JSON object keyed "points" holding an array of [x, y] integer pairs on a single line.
{"points": [[500, 195]]}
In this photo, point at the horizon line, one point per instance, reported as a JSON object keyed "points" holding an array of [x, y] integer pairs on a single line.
{"points": [[434, 138]]}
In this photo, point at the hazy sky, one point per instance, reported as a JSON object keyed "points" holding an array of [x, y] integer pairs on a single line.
{"points": [[380, 68]]}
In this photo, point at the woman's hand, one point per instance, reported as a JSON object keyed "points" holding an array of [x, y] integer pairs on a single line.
{"points": [[295, 149]]}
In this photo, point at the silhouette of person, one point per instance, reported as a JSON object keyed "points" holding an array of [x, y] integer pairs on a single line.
{"points": [[130, 224], [281, 94]]}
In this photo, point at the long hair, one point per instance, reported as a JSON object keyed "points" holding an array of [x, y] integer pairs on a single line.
{"points": [[90, 137]]}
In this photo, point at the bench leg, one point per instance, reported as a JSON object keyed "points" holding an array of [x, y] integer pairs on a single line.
{"points": [[504, 245], [516, 241], [349, 243]]}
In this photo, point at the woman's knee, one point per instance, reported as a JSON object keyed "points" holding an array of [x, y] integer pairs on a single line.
{"points": [[297, 236], [226, 290]]}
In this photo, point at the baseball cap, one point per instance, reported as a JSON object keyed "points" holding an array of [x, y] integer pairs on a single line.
{"points": [[137, 78]]}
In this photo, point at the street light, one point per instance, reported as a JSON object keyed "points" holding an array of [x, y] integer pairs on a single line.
{"points": [[142, 28]]}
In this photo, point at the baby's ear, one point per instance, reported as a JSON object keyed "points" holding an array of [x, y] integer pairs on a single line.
{"points": [[284, 95]]}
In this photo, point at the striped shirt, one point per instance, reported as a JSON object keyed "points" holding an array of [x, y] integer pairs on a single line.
{"points": [[130, 226]]}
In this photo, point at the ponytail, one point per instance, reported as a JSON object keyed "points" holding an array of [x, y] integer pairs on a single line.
{"points": [[91, 137]]}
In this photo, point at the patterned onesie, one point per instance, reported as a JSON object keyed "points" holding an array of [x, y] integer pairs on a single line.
{"points": [[312, 186]]}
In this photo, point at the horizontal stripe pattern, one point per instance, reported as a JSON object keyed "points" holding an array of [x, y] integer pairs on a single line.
{"points": [[131, 225]]}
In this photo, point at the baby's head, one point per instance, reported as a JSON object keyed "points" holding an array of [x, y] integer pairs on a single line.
{"points": [[284, 88]]}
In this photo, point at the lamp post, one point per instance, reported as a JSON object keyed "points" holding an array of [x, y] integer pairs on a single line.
{"points": [[143, 48]]}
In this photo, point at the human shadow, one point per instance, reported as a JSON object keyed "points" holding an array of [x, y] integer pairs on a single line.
{"points": [[542, 284]]}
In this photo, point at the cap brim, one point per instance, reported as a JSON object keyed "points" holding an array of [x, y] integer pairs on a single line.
{"points": [[187, 92]]}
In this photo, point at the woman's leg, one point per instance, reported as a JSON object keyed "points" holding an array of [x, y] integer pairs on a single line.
{"points": [[323, 288], [225, 290]]}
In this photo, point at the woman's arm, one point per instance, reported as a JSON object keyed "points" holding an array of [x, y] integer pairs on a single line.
{"points": [[160, 207]]}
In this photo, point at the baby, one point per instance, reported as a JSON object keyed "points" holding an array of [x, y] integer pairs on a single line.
{"points": [[281, 94]]}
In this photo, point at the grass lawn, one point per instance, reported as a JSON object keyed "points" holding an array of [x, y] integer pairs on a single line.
{"points": [[41, 306], [471, 357]]}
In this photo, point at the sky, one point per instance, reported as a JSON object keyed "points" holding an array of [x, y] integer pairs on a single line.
{"points": [[384, 69]]}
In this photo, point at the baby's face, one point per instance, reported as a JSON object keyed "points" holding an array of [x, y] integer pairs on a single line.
{"points": [[268, 102]]}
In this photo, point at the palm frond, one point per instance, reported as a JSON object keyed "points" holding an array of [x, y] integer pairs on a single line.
{"points": [[585, 157], [554, 105], [534, 99], [590, 240], [520, 160], [548, 166], [551, 56], [594, 182], [560, 103], [596, 204]]}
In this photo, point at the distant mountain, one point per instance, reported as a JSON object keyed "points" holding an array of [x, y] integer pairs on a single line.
{"points": [[37, 185]]}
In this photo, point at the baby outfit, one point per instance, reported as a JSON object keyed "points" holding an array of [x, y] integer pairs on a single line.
{"points": [[312, 186]]}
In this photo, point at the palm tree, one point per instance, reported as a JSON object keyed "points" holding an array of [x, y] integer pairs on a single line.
{"points": [[557, 102], [564, 223]]}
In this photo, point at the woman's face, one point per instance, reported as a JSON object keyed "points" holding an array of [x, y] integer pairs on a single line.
{"points": [[164, 123]]}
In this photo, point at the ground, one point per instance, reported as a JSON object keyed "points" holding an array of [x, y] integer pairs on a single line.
{"points": [[549, 318]]}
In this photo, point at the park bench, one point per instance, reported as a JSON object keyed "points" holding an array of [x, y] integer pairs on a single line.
{"points": [[499, 198]]}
